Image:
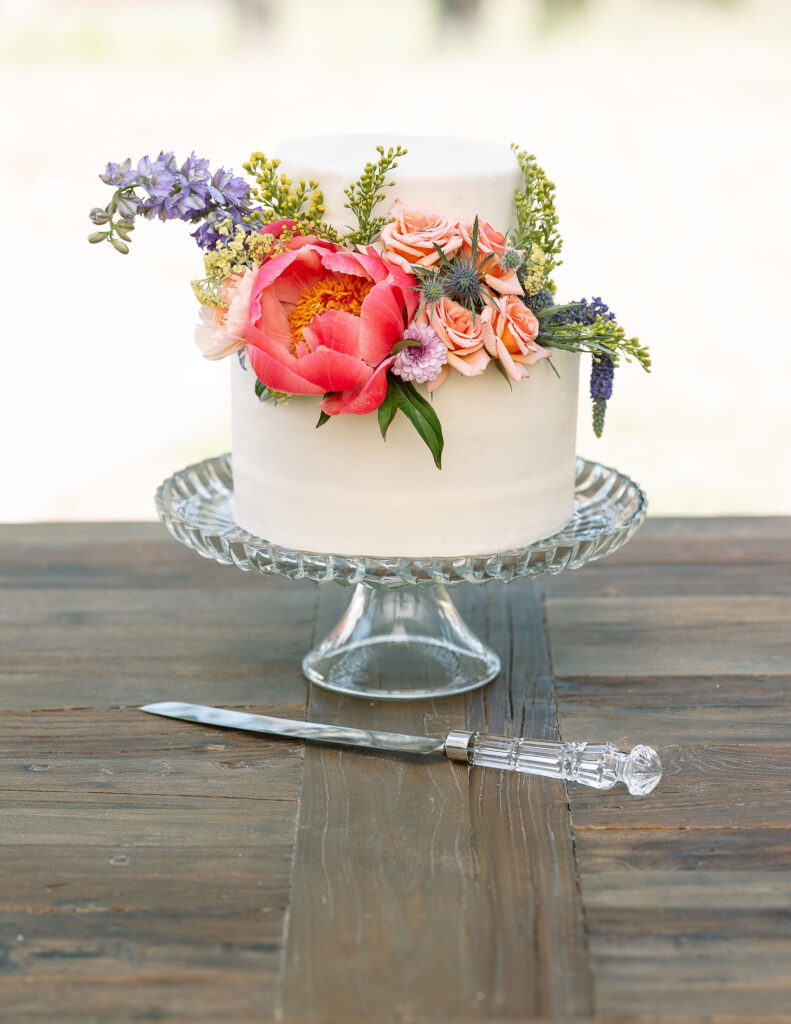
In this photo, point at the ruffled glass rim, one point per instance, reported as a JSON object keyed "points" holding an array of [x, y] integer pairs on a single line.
{"points": [[195, 505]]}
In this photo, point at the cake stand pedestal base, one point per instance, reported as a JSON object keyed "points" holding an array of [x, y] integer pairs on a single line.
{"points": [[400, 645], [401, 636]]}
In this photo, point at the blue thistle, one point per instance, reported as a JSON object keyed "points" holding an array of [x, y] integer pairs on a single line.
{"points": [[541, 300], [463, 283], [511, 259], [431, 289]]}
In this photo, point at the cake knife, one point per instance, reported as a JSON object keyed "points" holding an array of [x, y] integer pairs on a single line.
{"points": [[600, 765]]}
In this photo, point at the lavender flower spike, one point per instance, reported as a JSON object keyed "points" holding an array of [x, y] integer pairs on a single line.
{"points": [[424, 361]]}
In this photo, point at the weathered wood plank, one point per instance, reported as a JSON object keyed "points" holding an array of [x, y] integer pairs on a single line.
{"points": [[670, 635], [145, 864], [464, 880], [683, 850], [124, 751]]}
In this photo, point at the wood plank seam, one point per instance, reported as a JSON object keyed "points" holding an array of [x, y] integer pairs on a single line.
{"points": [[572, 829]]}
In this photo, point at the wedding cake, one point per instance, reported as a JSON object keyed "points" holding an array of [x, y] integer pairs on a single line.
{"points": [[508, 464], [404, 382]]}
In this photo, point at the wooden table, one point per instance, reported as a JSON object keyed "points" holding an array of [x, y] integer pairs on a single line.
{"points": [[153, 870]]}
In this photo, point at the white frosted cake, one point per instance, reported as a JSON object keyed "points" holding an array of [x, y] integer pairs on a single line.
{"points": [[508, 463]]}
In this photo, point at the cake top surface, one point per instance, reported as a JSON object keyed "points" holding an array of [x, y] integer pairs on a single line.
{"points": [[426, 155]]}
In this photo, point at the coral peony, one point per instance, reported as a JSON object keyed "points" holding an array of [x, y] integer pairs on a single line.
{"points": [[499, 278], [221, 330], [513, 339], [324, 319], [466, 336], [411, 237]]}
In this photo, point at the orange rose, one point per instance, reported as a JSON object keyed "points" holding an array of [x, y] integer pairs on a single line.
{"points": [[465, 336], [411, 237], [512, 340], [491, 242]]}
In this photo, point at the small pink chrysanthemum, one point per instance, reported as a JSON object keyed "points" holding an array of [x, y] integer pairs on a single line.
{"points": [[421, 362]]}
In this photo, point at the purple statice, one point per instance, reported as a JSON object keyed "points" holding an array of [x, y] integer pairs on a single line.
{"points": [[602, 373], [585, 312], [424, 361]]}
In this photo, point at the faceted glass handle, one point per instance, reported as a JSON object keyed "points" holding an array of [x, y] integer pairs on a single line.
{"points": [[600, 765]]}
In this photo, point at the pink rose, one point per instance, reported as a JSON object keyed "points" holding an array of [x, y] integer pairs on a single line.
{"points": [[221, 330], [464, 335], [513, 336], [491, 242], [411, 237], [323, 319]]}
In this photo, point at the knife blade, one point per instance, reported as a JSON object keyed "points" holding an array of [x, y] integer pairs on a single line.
{"points": [[600, 766]]}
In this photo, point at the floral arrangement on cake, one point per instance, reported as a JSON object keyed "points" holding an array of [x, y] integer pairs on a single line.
{"points": [[361, 319]]}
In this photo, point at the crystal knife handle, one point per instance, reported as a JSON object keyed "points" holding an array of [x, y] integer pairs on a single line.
{"points": [[599, 765]]}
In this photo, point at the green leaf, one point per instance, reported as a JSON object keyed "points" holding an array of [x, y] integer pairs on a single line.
{"points": [[260, 388], [388, 408], [422, 416], [404, 343], [98, 236], [323, 417], [501, 369], [554, 368]]}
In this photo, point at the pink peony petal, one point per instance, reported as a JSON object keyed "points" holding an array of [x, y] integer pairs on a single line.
{"points": [[362, 400], [333, 371], [381, 323], [335, 329], [358, 264], [278, 377]]}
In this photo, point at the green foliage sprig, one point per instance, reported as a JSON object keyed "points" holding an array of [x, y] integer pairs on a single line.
{"points": [[365, 194], [602, 337], [537, 219]]}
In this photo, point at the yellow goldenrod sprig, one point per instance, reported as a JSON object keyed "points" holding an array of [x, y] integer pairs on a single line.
{"points": [[365, 194], [537, 220]]}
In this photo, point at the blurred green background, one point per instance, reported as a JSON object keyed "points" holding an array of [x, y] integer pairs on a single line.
{"points": [[664, 124]]}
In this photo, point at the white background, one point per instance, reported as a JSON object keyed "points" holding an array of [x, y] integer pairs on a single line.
{"points": [[664, 125]]}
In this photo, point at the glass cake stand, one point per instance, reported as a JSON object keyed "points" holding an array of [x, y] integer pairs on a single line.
{"points": [[401, 636]]}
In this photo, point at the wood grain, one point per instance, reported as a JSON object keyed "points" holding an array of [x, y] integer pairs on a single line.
{"points": [[415, 872], [151, 870], [682, 641], [145, 864]]}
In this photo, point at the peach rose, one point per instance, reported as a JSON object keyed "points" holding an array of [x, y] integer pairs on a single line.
{"points": [[491, 242], [221, 330], [465, 336], [513, 337], [411, 237]]}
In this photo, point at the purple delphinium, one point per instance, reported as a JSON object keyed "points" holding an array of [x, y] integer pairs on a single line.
{"points": [[422, 362], [189, 192]]}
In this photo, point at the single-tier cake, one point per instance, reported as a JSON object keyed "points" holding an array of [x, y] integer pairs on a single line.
{"points": [[508, 460], [404, 379]]}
